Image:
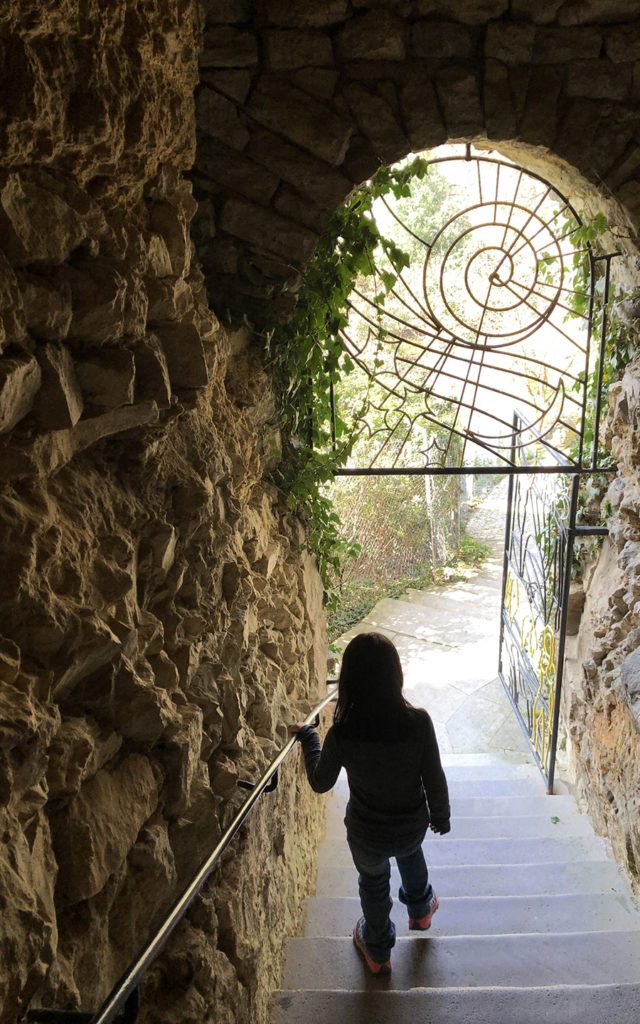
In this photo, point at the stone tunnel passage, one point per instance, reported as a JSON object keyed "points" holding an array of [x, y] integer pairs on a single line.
{"points": [[159, 616]]}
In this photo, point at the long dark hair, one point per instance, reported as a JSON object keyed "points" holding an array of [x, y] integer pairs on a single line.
{"points": [[370, 701]]}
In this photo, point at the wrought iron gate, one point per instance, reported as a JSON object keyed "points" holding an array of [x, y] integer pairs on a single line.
{"points": [[540, 533], [497, 308]]}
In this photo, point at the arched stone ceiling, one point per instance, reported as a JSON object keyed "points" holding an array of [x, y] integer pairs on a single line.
{"points": [[300, 101]]}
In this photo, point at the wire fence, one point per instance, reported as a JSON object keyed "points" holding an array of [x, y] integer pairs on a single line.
{"points": [[403, 524]]}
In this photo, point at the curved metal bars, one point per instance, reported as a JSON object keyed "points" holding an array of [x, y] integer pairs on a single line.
{"points": [[129, 981], [496, 302]]}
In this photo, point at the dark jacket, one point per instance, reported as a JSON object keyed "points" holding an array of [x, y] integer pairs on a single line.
{"points": [[396, 787]]}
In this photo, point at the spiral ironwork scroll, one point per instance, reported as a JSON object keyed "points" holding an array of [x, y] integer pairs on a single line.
{"points": [[482, 320]]}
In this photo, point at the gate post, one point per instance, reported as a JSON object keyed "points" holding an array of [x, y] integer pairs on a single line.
{"points": [[564, 611], [507, 541]]}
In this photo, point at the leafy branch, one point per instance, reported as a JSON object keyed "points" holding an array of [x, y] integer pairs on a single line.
{"points": [[307, 359]]}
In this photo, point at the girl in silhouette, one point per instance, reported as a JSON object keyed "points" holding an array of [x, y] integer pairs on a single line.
{"points": [[397, 789]]}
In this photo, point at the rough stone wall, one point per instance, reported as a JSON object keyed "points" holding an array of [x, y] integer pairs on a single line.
{"points": [[602, 704], [159, 614], [298, 102], [159, 617]]}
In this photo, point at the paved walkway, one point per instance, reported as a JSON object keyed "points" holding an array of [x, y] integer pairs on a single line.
{"points": [[447, 638]]}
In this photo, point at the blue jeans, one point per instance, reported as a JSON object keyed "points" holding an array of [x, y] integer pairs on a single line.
{"points": [[372, 863]]}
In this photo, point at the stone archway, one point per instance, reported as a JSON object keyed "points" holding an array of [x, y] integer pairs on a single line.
{"points": [[296, 105]]}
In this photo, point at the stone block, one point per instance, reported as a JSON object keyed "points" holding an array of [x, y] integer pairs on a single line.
{"points": [[170, 298], [62, 445], [471, 12], [377, 123], [184, 352], [59, 402], [268, 230], [9, 660], [442, 40], [628, 167], [20, 717], [376, 35], [543, 12], [19, 382], [93, 835], [324, 185], [37, 225], [318, 82], [298, 208], [499, 112], [47, 308], [598, 79], [302, 14], [562, 45], [99, 298], [180, 757], [165, 671], [218, 116], [510, 43], [230, 11], [623, 44], [233, 83], [171, 221], [289, 49], [107, 377], [235, 172], [361, 162], [539, 119], [581, 12], [421, 113], [299, 117], [224, 46], [603, 130], [458, 92], [630, 674], [151, 372], [12, 321], [79, 749], [157, 261]]}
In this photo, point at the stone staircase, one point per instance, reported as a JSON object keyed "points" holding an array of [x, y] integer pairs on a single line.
{"points": [[535, 924]]}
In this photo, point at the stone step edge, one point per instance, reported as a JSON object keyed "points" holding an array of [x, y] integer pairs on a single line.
{"points": [[572, 1004], [629, 903], [443, 991]]}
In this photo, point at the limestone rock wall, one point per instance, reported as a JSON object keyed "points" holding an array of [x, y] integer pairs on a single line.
{"points": [[159, 617], [602, 701]]}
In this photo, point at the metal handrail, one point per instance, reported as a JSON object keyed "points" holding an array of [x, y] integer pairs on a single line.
{"points": [[124, 993]]}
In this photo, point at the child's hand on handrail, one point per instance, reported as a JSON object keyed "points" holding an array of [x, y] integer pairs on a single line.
{"points": [[294, 728]]}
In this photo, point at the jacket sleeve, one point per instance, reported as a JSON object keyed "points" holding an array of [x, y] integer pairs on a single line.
{"points": [[322, 763], [433, 777]]}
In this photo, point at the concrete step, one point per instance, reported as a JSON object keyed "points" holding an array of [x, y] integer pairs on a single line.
{"points": [[496, 827], [585, 958], [571, 1004], [494, 879], [448, 851], [474, 788], [493, 915], [505, 808]]}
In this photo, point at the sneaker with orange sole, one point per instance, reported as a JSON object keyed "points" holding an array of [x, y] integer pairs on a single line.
{"points": [[422, 924], [375, 966]]}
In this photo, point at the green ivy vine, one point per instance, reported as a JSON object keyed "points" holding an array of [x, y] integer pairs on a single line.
{"points": [[306, 357]]}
